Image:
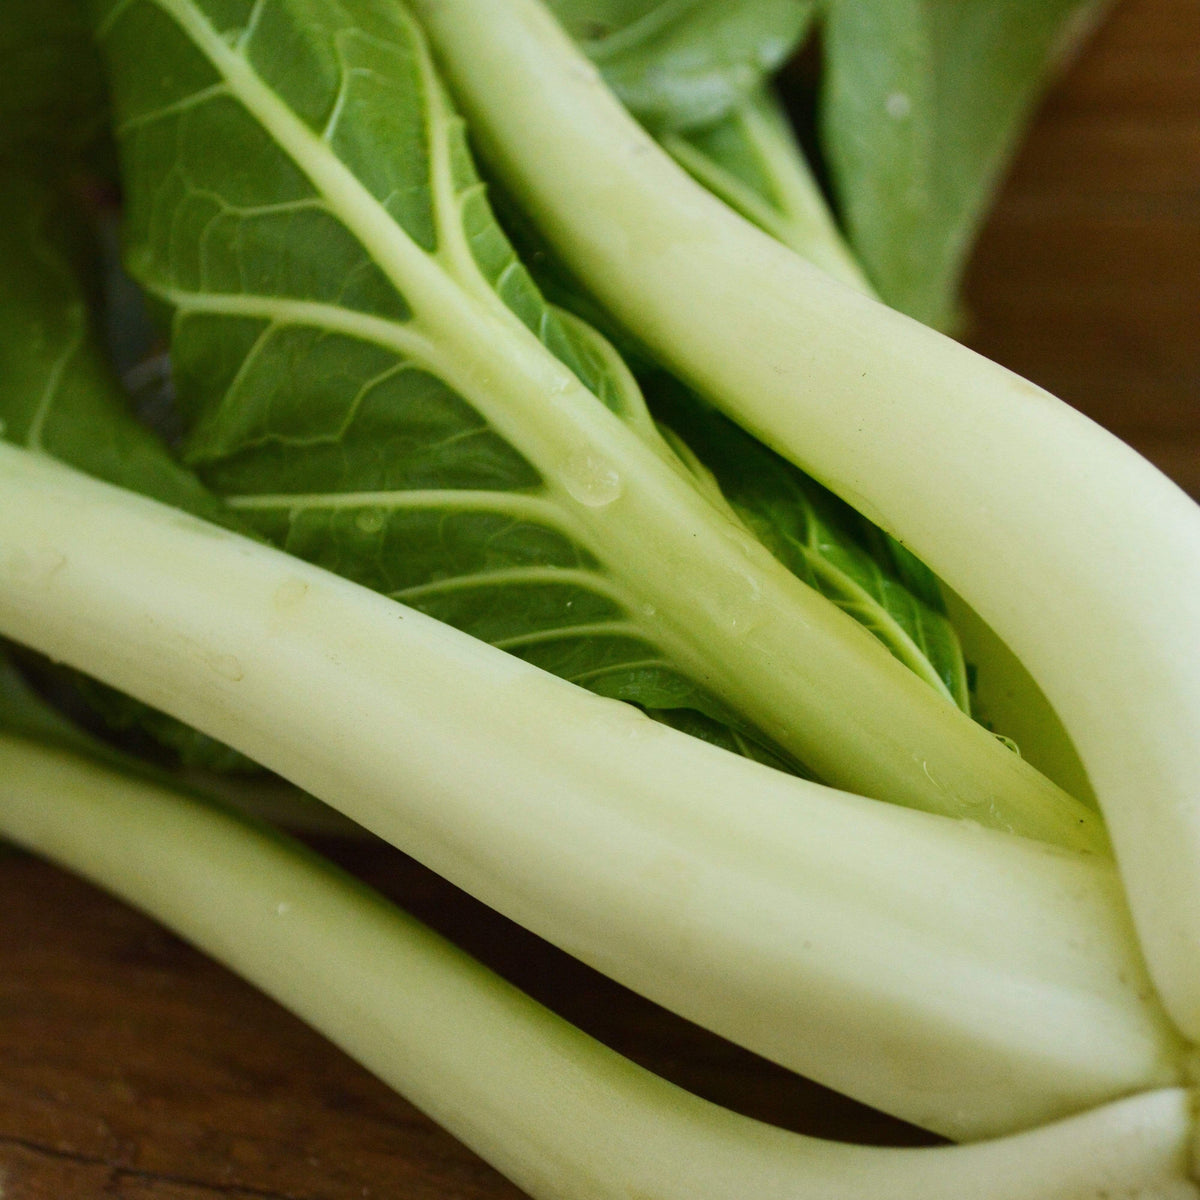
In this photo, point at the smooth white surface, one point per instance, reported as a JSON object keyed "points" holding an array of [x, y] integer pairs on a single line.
{"points": [[996, 980]]}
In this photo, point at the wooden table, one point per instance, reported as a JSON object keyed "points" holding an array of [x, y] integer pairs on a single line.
{"points": [[132, 1068]]}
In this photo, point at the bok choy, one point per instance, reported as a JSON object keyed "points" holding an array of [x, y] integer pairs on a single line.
{"points": [[932, 442], [424, 1017], [609, 612], [393, 399]]}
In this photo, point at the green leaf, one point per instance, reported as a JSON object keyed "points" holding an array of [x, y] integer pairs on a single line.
{"points": [[346, 312], [52, 99], [59, 394], [824, 542], [678, 64], [923, 103]]}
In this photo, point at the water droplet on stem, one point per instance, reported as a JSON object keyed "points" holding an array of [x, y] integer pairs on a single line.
{"points": [[591, 479]]}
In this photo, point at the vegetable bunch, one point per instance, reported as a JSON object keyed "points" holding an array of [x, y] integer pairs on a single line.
{"points": [[593, 534]]}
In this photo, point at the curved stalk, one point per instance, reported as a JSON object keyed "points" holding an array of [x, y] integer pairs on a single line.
{"points": [[804, 923], [563, 1116], [1078, 553]]}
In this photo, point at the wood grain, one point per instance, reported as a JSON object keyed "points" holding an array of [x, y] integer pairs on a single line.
{"points": [[133, 1068]]}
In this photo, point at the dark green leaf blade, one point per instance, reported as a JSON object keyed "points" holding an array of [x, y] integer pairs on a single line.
{"points": [[52, 96], [59, 395], [923, 104]]}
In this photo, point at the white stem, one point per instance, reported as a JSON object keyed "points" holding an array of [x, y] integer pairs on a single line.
{"points": [[560, 1114], [1077, 552], [967, 980]]}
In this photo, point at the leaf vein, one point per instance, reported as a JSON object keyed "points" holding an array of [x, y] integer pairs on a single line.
{"points": [[558, 633], [176, 108], [403, 340], [585, 677], [572, 577]]}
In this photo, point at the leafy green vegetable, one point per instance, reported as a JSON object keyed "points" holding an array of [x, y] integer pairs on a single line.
{"points": [[749, 156], [780, 913], [461, 1043], [1014, 499], [923, 102], [745, 152], [367, 376], [318, 404]]}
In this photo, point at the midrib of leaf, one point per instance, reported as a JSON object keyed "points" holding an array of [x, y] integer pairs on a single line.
{"points": [[557, 632], [460, 330], [455, 310], [565, 576], [407, 341]]}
